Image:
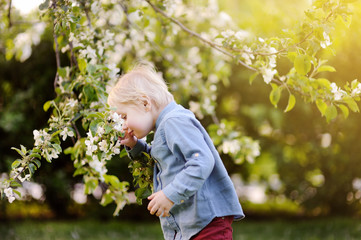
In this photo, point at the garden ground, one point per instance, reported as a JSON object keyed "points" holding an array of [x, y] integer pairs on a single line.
{"points": [[325, 229]]}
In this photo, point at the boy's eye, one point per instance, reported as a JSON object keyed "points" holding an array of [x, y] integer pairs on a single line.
{"points": [[123, 116]]}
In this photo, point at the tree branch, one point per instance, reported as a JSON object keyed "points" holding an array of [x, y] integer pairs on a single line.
{"points": [[213, 45]]}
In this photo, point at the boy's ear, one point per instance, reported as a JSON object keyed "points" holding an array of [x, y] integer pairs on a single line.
{"points": [[146, 103]]}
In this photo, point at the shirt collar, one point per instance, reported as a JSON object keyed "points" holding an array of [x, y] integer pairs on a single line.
{"points": [[172, 105]]}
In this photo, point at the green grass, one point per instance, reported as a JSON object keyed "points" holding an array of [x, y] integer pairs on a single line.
{"points": [[325, 229]]}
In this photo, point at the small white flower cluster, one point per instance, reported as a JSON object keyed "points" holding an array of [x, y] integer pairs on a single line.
{"points": [[9, 194], [241, 148], [42, 140], [338, 93], [231, 146], [102, 146], [268, 70], [18, 172], [247, 55], [23, 41], [357, 90], [326, 42]]}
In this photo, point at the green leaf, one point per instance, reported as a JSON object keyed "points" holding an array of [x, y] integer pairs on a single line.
{"points": [[15, 164], [90, 185], [18, 150], [344, 110], [94, 126], [82, 65], [142, 193], [351, 103], [123, 153], [326, 68], [292, 56], [91, 69], [37, 163], [107, 198], [275, 94], [331, 113], [15, 184], [57, 147], [35, 155], [79, 171], [89, 92], [291, 103], [44, 5], [62, 72], [47, 105], [322, 106], [32, 168], [253, 77], [112, 180], [17, 192], [302, 64], [23, 149]]}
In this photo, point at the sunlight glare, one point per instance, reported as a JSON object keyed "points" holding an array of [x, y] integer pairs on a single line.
{"points": [[26, 6]]}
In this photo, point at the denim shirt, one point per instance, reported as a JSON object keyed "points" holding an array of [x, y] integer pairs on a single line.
{"points": [[190, 172]]}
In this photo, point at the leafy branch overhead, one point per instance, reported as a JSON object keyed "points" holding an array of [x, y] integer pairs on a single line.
{"points": [[105, 38], [301, 48]]}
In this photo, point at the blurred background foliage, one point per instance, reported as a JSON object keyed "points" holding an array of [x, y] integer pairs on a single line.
{"points": [[307, 167]]}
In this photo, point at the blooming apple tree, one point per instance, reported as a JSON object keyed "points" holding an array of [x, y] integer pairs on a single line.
{"points": [[193, 45]]}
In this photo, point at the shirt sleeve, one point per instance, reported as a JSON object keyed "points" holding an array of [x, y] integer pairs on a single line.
{"points": [[185, 139], [136, 152]]}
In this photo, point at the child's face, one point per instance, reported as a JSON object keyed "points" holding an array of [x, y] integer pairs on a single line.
{"points": [[138, 120]]}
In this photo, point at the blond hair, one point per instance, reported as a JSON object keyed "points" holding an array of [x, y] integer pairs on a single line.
{"points": [[138, 84]]}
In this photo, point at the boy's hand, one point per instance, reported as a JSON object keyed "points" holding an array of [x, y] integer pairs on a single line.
{"points": [[159, 204], [128, 139]]}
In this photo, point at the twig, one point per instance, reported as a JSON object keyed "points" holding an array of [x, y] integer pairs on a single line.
{"points": [[76, 130], [86, 13], [9, 13], [73, 60], [57, 56]]}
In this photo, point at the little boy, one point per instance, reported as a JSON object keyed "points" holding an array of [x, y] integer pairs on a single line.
{"points": [[193, 194]]}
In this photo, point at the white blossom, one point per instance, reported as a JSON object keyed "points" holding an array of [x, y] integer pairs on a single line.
{"points": [[9, 194], [267, 74], [241, 35], [230, 146], [98, 166], [116, 148], [100, 131], [71, 102], [41, 137], [357, 90], [51, 153], [228, 33], [337, 92], [327, 41], [65, 133], [134, 16], [247, 55], [103, 146], [91, 147], [25, 178]]}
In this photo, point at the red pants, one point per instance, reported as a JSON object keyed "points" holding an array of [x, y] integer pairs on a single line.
{"points": [[219, 229]]}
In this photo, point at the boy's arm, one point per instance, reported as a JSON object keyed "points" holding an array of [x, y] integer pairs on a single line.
{"points": [[185, 140], [136, 152]]}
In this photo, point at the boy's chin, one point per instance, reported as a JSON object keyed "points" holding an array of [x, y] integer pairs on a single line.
{"points": [[140, 136]]}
